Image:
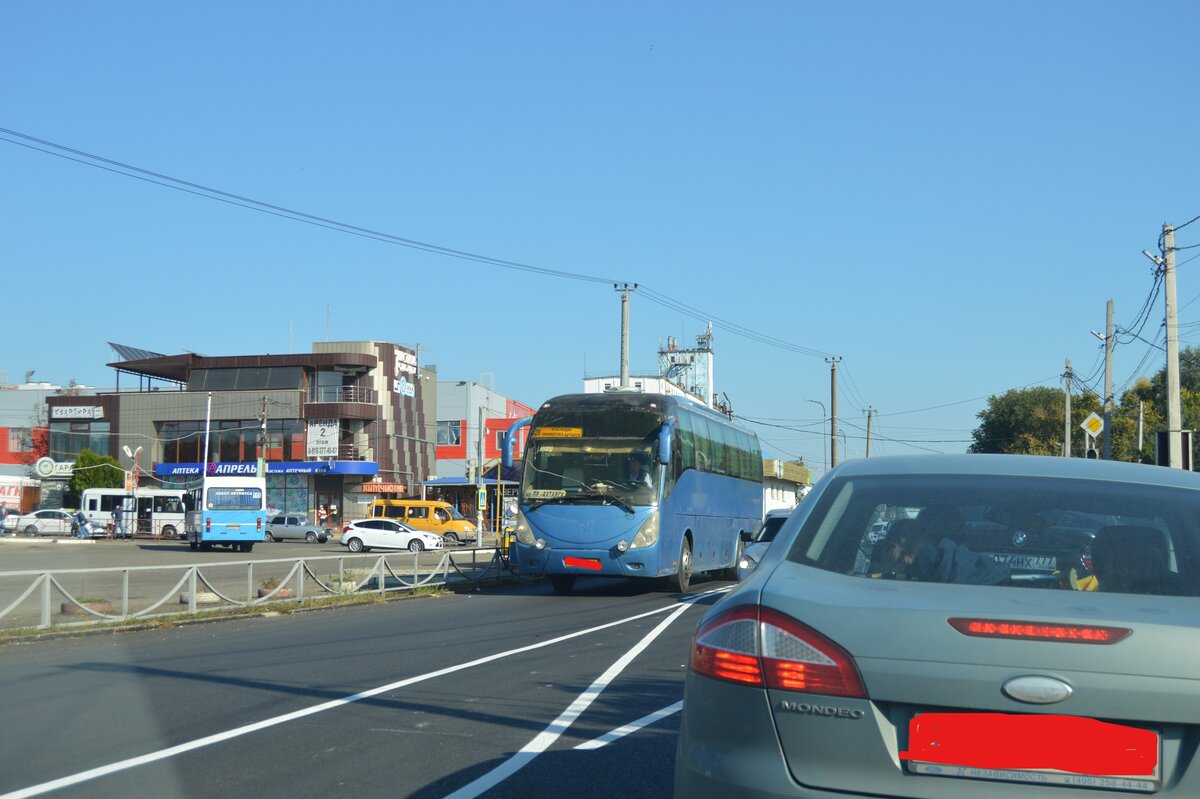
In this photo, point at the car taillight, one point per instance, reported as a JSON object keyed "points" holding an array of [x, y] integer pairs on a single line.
{"points": [[1040, 631], [761, 647], [345, 528]]}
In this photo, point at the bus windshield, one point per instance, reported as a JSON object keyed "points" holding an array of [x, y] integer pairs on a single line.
{"points": [[556, 468], [234, 499]]}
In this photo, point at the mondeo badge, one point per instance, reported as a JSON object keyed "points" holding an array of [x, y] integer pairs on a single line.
{"points": [[1035, 690]]}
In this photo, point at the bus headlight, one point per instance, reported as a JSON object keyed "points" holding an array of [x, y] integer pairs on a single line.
{"points": [[523, 532], [647, 534]]}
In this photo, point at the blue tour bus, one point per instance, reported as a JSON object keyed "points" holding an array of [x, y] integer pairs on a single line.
{"points": [[226, 511], [634, 485]]}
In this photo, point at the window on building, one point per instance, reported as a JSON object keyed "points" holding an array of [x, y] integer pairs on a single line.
{"points": [[20, 439], [449, 434], [68, 439]]}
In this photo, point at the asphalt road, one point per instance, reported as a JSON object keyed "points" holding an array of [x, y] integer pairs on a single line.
{"points": [[457, 695]]}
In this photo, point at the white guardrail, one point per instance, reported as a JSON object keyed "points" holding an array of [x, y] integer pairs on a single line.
{"points": [[124, 593]]}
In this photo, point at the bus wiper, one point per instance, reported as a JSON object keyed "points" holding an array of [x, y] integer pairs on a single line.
{"points": [[618, 501]]}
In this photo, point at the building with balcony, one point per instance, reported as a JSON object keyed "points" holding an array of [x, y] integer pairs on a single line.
{"points": [[333, 427]]}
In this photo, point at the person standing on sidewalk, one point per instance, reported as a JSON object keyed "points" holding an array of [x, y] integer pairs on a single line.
{"points": [[81, 521], [3, 518], [118, 519]]}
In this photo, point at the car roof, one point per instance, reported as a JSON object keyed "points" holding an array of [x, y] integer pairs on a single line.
{"points": [[1018, 466]]}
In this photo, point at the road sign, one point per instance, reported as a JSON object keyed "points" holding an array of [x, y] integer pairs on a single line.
{"points": [[1093, 424]]}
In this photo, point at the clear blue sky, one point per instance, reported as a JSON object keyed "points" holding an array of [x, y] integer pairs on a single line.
{"points": [[944, 194]]}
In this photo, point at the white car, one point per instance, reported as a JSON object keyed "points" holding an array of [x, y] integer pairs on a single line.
{"points": [[42, 522], [366, 534]]}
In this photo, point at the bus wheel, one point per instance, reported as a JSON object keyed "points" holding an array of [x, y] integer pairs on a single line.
{"points": [[167, 532], [452, 539], [563, 583], [680, 581]]}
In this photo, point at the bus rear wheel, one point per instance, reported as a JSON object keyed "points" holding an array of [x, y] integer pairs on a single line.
{"points": [[681, 581], [562, 583]]}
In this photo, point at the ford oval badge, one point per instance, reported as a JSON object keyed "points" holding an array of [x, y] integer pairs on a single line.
{"points": [[1035, 690]]}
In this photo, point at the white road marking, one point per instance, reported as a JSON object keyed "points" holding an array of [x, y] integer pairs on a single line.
{"points": [[546, 738], [209, 740], [633, 726]]}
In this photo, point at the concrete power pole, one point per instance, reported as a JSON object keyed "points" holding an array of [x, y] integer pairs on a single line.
{"points": [[1106, 451], [624, 288], [1066, 453], [1174, 414], [870, 412], [833, 431]]}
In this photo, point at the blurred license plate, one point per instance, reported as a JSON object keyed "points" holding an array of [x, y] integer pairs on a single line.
{"points": [[1050, 749]]}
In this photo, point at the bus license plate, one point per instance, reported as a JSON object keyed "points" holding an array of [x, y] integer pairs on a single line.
{"points": [[591, 564]]}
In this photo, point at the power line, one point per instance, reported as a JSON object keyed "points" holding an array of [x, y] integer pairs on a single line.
{"points": [[249, 203]]}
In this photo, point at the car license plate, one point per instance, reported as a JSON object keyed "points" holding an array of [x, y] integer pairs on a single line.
{"points": [[1050, 749], [1042, 563]]}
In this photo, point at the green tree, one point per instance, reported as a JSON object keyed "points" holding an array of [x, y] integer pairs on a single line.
{"points": [[94, 471], [1029, 421]]}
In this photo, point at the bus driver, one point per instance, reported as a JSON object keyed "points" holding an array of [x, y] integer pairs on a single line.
{"points": [[637, 474]]}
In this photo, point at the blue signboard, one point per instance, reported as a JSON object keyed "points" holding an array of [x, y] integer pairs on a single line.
{"points": [[282, 467]]}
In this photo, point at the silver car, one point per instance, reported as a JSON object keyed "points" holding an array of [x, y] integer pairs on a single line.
{"points": [[758, 543], [1027, 627], [286, 527]]}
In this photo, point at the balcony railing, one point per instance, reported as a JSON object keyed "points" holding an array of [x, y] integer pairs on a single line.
{"points": [[341, 394]]}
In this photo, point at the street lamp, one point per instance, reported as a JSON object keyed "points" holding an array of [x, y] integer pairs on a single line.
{"points": [[136, 457], [824, 459]]}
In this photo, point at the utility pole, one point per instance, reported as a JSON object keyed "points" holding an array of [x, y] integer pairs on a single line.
{"points": [[833, 431], [870, 412], [262, 442], [1141, 426], [1174, 417], [479, 480], [1106, 452], [824, 446], [1174, 414], [625, 288], [1066, 453]]}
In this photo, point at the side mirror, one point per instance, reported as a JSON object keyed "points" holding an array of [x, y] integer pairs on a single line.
{"points": [[510, 437], [747, 536], [664, 439]]}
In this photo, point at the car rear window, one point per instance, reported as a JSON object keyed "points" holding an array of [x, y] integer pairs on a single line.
{"points": [[1065, 534]]}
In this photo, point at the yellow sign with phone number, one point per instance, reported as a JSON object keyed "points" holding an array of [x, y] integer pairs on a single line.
{"points": [[558, 432]]}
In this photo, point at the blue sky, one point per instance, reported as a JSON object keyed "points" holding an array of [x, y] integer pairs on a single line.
{"points": [[943, 194]]}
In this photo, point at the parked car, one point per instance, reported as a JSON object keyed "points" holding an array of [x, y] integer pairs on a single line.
{"points": [[1031, 632], [432, 516], [287, 527], [46, 522], [367, 534], [760, 541]]}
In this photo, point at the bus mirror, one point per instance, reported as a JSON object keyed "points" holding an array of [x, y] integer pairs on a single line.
{"points": [[664, 440], [510, 438]]}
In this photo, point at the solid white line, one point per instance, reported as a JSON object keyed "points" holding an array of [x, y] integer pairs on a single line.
{"points": [[633, 726], [209, 740], [546, 738]]}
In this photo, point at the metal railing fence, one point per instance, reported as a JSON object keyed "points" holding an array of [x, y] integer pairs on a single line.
{"points": [[88, 597]]}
